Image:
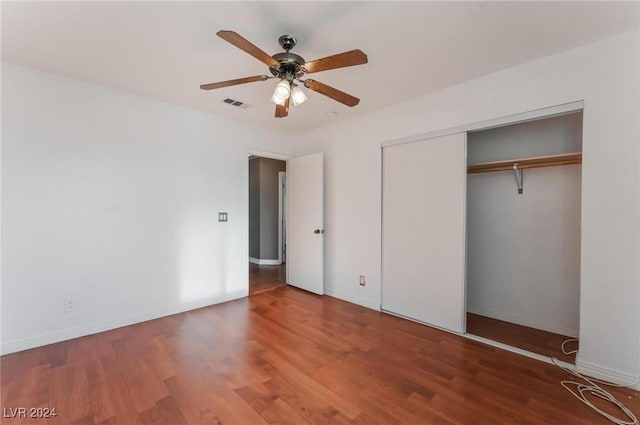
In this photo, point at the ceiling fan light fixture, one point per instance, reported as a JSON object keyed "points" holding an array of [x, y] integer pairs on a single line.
{"points": [[283, 90], [297, 95], [278, 100]]}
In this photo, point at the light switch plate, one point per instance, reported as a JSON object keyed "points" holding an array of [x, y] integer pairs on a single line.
{"points": [[222, 216]]}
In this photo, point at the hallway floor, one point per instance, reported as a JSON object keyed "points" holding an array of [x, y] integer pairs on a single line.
{"points": [[265, 278]]}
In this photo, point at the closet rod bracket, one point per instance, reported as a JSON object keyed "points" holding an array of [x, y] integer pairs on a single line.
{"points": [[519, 172]]}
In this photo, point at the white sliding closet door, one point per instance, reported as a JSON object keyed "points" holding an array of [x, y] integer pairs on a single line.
{"points": [[423, 230]]}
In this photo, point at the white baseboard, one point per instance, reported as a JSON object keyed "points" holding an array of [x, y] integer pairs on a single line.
{"points": [[607, 374], [92, 328], [516, 350], [352, 299], [523, 321], [262, 262]]}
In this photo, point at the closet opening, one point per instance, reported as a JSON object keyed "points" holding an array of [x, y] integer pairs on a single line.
{"points": [[523, 213]]}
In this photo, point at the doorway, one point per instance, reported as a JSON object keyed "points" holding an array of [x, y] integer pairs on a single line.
{"points": [[267, 224]]}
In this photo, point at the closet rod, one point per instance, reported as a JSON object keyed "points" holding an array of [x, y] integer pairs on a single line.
{"points": [[523, 163]]}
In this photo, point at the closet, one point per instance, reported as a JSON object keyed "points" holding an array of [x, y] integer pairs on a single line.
{"points": [[481, 229], [523, 233]]}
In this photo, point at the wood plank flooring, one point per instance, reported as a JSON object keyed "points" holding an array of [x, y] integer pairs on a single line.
{"points": [[287, 357], [265, 278], [530, 339]]}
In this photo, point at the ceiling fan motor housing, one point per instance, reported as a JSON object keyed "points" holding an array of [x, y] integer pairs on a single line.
{"points": [[288, 64]]}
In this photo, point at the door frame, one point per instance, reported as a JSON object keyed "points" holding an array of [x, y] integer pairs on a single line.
{"points": [[282, 216], [261, 154]]}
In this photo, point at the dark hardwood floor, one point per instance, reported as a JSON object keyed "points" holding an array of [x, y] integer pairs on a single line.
{"points": [[265, 278], [287, 357], [530, 339]]}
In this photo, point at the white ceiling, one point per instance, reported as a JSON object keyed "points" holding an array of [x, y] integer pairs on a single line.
{"points": [[165, 50]]}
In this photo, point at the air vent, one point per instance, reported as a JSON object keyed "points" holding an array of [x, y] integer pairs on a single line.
{"points": [[236, 103]]}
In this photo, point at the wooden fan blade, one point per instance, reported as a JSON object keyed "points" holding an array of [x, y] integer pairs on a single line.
{"points": [[341, 60], [244, 44], [282, 110], [235, 82], [334, 94]]}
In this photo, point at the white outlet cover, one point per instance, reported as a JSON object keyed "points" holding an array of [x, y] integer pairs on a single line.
{"points": [[69, 305]]}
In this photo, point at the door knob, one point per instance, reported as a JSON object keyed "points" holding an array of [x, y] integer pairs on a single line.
{"points": [[318, 231]]}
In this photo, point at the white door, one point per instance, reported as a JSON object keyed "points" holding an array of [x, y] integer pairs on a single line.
{"points": [[423, 230], [305, 231]]}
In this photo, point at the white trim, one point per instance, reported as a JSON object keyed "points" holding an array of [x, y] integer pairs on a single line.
{"points": [[552, 111], [463, 310], [282, 181], [270, 155], [607, 374], [381, 258], [96, 327], [264, 262], [352, 299], [523, 321], [517, 350]]}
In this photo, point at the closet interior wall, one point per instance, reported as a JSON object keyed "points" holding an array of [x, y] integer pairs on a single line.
{"points": [[523, 250]]}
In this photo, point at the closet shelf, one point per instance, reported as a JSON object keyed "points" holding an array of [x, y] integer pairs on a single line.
{"points": [[523, 163]]}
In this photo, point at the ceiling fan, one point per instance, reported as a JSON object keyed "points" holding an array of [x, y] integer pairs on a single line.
{"points": [[289, 68]]}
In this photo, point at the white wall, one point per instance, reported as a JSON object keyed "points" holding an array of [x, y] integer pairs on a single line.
{"points": [[111, 200], [603, 74], [547, 136], [523, 250]]}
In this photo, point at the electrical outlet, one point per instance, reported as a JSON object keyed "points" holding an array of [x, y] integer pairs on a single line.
{"points": [[363, 282], [69, 305]]}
